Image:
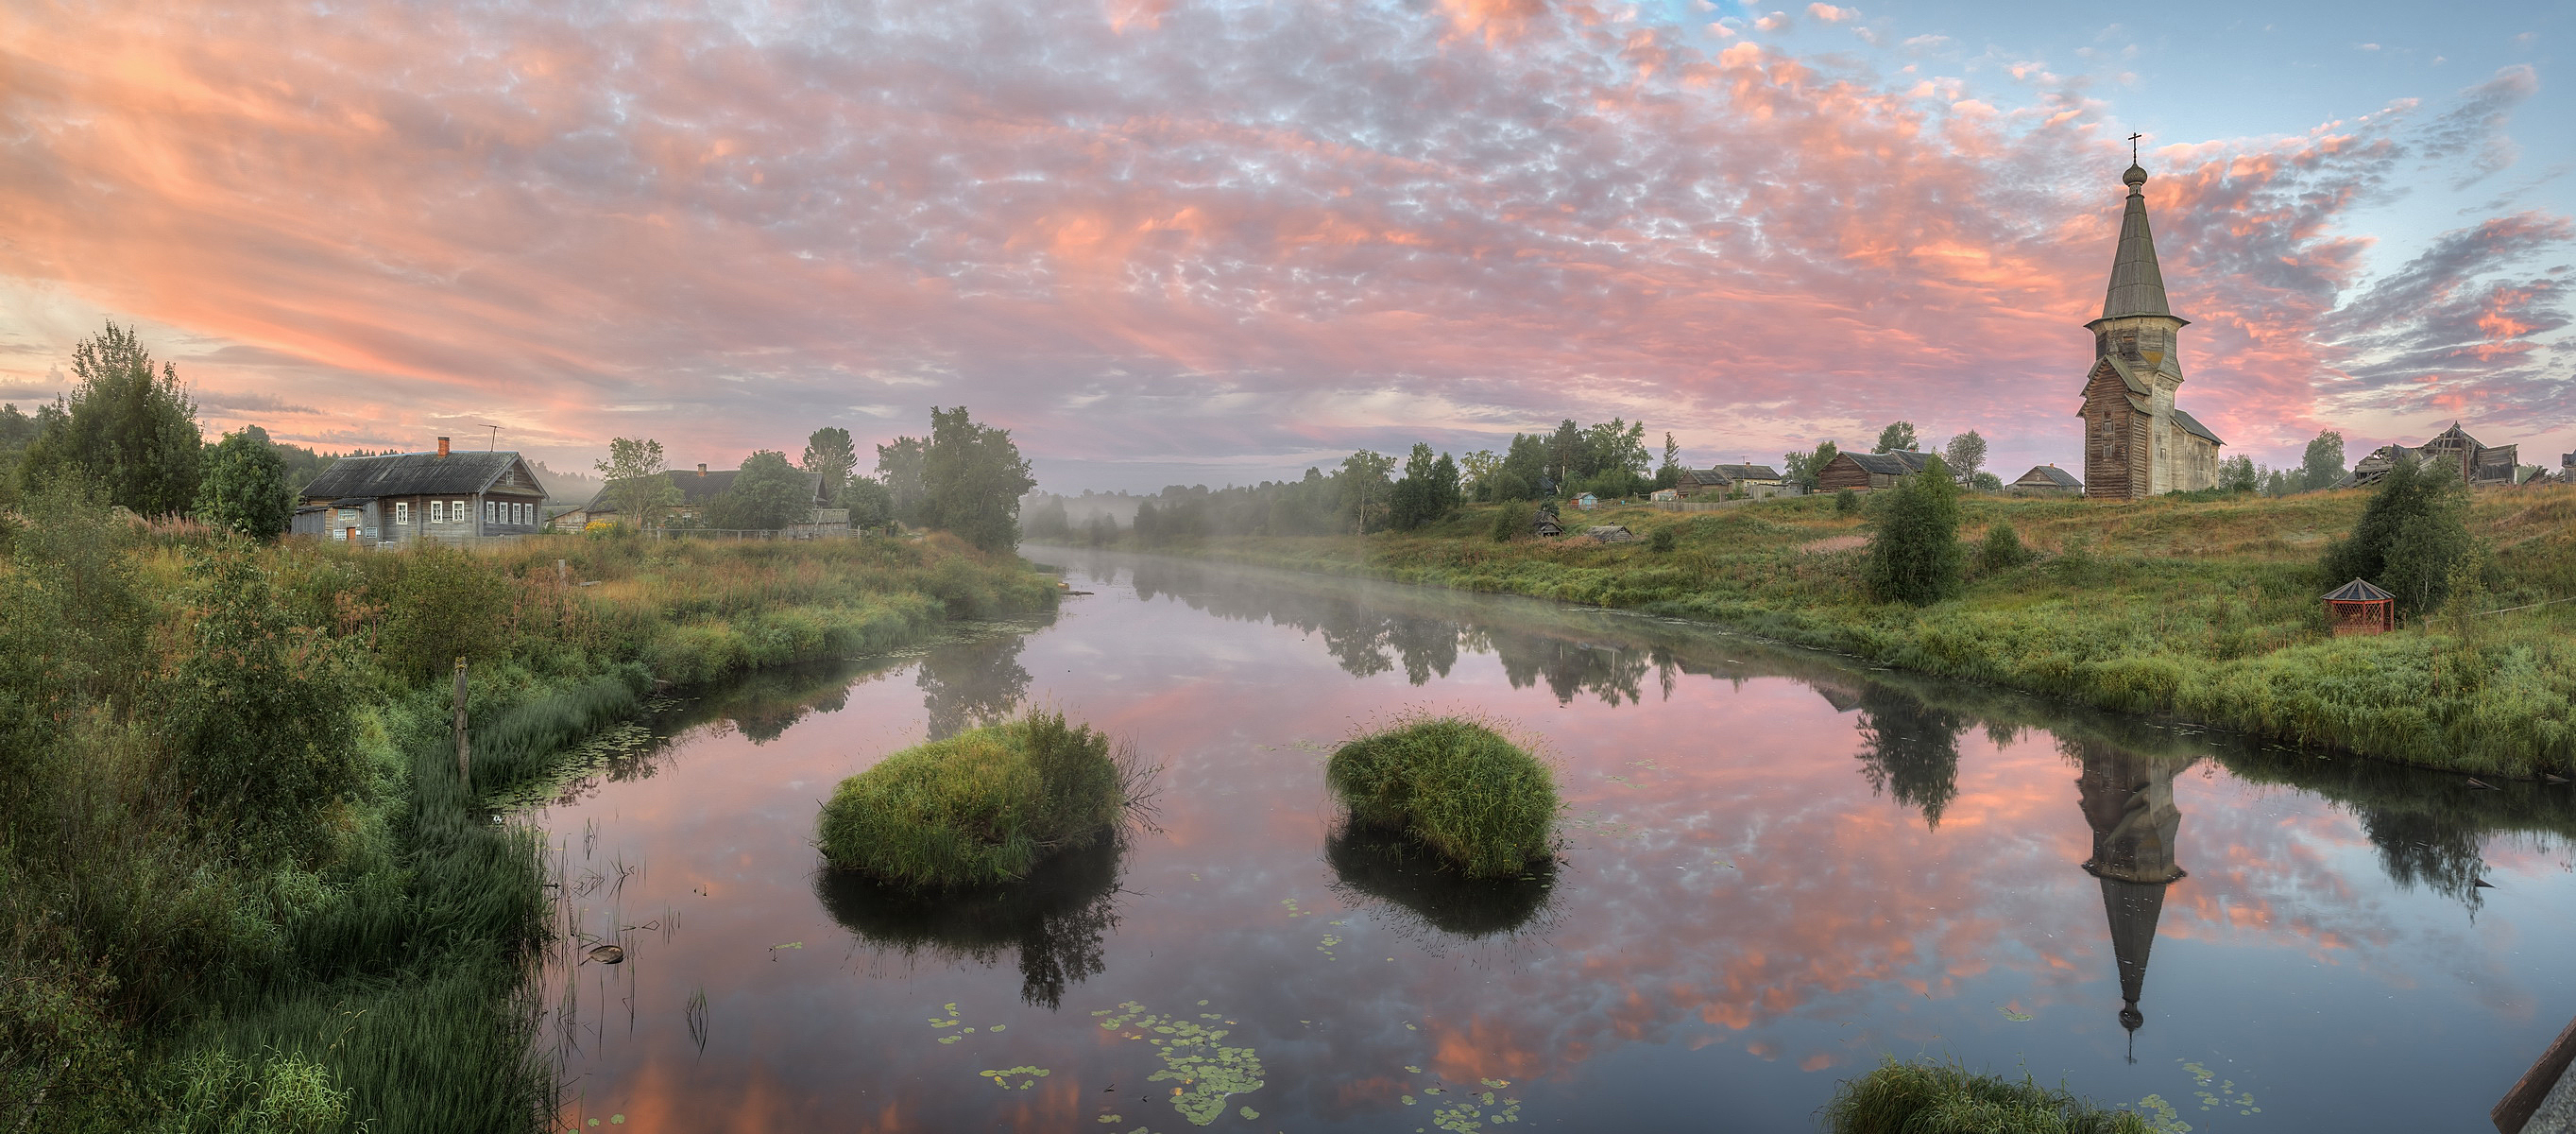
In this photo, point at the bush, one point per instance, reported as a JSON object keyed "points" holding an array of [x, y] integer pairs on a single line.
{"points": [[1846, 502], [1507, 522], [1914, 558], [1931, 1098], [1663, 539], [1455, 786], [2002, 549], [440, 605], [984, 806]]}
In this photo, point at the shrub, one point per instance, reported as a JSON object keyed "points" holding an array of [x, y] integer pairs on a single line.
{"points": [[1455, 786], [1914, 557], [441, 604], [2002, 550], [1663, 539], [1932, 1098], [981, 807], [1507, 522], [1846, 502]]}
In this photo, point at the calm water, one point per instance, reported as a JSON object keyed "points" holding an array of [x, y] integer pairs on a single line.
{"points": [[1779, 866]]}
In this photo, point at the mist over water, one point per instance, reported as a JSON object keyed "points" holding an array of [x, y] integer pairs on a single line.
{"points": [[1778, 866]]}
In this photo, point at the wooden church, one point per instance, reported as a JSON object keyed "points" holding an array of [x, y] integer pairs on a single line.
{"points": [[2137, 443]]}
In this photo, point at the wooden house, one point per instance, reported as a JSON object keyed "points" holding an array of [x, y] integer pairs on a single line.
{"points": [[1865, 471], [1666, 496], [444, 496], [1587, 502], [2478, 466], [1546, 527], [1611, 533], [1756, 481], [2359, 608], [2046, 480]]}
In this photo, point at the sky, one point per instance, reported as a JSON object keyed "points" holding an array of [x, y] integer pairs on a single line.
{"points": [[1166, 242]]}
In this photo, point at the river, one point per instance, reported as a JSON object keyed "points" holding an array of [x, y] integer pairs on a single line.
{"points": [[1779, 866]]}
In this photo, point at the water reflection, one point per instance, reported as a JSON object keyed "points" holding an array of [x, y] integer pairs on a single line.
{"points": [[2128, 801], [1910, 748], [967, 683], [1052, 922], [1372, 867]]}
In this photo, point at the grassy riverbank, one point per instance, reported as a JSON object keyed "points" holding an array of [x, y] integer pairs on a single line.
{"points": [[2207, 610], [241, 888]]}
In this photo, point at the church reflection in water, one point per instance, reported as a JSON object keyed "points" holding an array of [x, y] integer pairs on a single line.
{"points": [[2127, 797]]}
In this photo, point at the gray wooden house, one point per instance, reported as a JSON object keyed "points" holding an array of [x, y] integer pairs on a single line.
{"points": [[1864, 471], [2047, 480], [445, 496]]}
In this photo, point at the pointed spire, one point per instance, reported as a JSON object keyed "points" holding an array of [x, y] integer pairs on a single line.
{"points": [[2137, 285]]}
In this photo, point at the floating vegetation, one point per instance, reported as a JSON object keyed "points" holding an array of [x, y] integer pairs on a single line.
{"points": [[1293, 911], [1462, 790], [1906, 1098], [2159, 1115], [1195, 1056], [982, 807], [1025, 1075], [2014, 1013], [1375, 867], [1479, 1110], [1053, 922], [2225, 1095]]}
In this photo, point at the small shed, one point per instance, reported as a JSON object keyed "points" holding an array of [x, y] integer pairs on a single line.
{"points": [[2359, 608], [1587, 502], [1611, 533], [2047, 480], [1666, 496], [1546, 527]]}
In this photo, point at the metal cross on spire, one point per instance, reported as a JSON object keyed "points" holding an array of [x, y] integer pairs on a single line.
{"points": [[2133, 148]]}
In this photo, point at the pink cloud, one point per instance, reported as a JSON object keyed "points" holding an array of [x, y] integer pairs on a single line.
{"points": [[1144, 231]]}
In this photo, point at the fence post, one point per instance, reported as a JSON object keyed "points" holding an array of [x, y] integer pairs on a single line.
{"points": [[464, 763], [562, 575]]}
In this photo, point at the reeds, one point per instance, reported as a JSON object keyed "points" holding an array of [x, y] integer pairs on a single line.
{"points": [[1946, 1098], [982, 807], [1459, 788]]}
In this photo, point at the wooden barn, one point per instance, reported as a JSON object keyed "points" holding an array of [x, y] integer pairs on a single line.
{"points": [[2046, 480], [445, 496], [1865, 471], [1723, 480], [2478, 465]]}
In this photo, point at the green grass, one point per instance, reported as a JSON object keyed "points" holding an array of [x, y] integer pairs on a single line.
{"points": [[2207, 610], [1463, 791], [1936, 1098], [980, 808]]}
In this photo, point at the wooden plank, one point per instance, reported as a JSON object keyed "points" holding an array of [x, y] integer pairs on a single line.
{"points": [[2513, 1112]]}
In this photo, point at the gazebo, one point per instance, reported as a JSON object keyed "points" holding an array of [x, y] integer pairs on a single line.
{"points": [[2359, 608]]}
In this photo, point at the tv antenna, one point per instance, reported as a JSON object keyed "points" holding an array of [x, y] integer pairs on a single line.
{"points": [[2133, 148], [495, 441]]}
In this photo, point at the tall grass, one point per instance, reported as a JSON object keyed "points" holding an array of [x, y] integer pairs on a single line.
{"points": [[982, 807], [1457, 787], [1938, 1098]]}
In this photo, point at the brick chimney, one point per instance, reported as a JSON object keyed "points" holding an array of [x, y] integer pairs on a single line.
{"points": [[702, 470], [442, 446]]}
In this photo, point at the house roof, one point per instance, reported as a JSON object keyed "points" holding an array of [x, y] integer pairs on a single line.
{"points": [[2137, 284], [413, 474], [1610, 533], [2193, 424], [1900, 463], [2358, 590], [2050, 475], [1747, 472], [696, 488]]}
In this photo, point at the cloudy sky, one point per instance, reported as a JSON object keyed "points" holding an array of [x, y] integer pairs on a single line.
{"points": [[1168, 242]]}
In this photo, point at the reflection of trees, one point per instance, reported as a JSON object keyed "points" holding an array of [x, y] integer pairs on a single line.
{"points": [[1911, 749], [1371, 864], [969, 683], [1615, 674], [2424, 848], [764, 704], [1053, 920]]}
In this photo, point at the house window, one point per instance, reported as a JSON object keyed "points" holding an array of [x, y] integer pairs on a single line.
{"points": [[438, 511], [491, 511], [402, 512], [456, 511]]}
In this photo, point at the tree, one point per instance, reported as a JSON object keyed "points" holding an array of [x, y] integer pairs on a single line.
{"points": [[1365, 487], [245, 490], [1966, 453], [870, 505], [123, 427], [2411, 537], [1476, 472], [1428, 492], [1669, 474], [1897, 437], [829, 452], [1802, 468], [1047, 518], [2324, 463], [1915, 557], [972, 479], [2236, 474], [634, 470], [1565, 456], [899, 466], [767, 495]]}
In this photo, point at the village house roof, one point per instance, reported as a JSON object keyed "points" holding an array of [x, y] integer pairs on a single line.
{"points": [[2193, 424], [2049, 476], [2358, 590], [411, 474], [1748, 472], [697, 486], [1610, 533], [1900, 463]]}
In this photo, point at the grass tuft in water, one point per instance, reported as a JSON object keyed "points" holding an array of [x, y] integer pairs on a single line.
{"points": [[1458, 787], [1946, 1098], [982, 807]]}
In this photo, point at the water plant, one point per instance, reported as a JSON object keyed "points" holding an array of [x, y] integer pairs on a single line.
{"points": [[982, 807], [1925, 1097], [1455, 786]]}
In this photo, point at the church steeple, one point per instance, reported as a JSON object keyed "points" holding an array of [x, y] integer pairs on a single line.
{"points": [[2137, 285]]}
